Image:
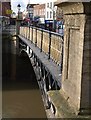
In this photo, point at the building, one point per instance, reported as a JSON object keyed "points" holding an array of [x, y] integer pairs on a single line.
{"points": [[13, 15], [50, 14], [59, 19], [39, 14], [6, 8], [30, 11], [5, 12]]}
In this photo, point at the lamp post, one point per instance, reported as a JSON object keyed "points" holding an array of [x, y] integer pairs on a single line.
{"points": [[18, 21], [18, 7]]}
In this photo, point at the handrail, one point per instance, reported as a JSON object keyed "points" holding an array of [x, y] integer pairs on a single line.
{"points": [[55, 33], [49, 42]]}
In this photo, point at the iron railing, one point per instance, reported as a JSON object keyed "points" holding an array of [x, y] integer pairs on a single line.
{"points": [[49, 42]]}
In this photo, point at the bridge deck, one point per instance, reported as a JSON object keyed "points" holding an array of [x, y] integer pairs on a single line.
{"points": [[52, 67]]}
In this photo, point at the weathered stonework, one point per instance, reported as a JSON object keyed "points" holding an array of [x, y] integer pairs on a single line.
{"points": [[73, 45], [86, 68], [76, 62]]}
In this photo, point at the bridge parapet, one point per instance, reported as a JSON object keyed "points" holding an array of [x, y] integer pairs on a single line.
{"points": [[76, 77], [49, 42]]}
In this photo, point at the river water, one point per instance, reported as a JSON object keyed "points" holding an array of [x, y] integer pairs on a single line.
{"points": [[21, 97]]}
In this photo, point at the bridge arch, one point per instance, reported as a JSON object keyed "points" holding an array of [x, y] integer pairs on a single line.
{"points": [[24, 53], [28, 68], [43, 76]]}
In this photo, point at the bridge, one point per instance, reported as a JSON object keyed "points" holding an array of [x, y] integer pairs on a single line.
{"points": [[62, 66], [45, 50]]}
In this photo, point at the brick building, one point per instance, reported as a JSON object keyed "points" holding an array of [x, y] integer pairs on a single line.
{"points": [[39, 11], [6, 8], [5, 12]]}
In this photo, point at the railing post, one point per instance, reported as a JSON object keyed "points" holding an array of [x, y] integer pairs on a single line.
{"points": [[36, 38], [41, 40], [32, 35], [62, 56], [49, 45], [29, 34], [26, 32]]}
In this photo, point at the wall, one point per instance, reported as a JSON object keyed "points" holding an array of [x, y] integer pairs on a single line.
{"points": [[39, 10], [6, 6], [76, 62], [86, 68]]}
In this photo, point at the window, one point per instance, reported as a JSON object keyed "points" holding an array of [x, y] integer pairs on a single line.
{"points": [[47, 14], [50, 4], [47, 4], [50, 14]]}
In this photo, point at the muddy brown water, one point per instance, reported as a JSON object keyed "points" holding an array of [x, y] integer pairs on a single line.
{"points": [[21, 97]]}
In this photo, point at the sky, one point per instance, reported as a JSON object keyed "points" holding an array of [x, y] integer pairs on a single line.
{"points": [[23, 4]]}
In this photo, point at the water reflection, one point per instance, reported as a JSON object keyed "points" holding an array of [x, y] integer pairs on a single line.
{"points": [[21, 96]]}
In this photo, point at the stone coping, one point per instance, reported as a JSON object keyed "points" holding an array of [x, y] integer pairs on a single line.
{"points": [[63, 110]]}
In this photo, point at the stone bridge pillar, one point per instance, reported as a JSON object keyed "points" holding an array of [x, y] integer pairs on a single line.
{"points": [[76, 78]]}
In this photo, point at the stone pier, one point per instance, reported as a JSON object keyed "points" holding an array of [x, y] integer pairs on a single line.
{"points": [[76, 77]]}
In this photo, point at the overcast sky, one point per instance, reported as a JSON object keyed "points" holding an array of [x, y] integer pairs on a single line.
{"points": [[23, 3]]}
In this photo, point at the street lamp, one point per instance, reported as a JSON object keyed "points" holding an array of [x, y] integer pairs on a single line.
{"points": [[18, 21], [18, 7]]}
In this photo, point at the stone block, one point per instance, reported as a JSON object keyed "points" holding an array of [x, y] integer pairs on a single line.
{"points": [[76, 64]]}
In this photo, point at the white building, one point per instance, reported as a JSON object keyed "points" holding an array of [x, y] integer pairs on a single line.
{"points": [[50, 10], [50, 13]]}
